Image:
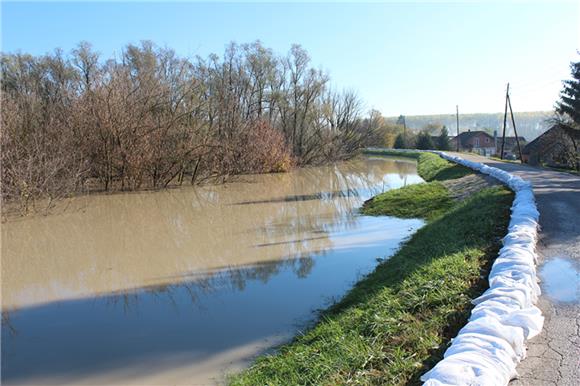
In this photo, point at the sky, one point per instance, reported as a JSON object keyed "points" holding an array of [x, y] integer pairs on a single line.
{"points": [[401, 58]]}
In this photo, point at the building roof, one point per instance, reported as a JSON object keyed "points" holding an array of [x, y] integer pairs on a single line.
{"points": [[467, 135], [544, 139]]}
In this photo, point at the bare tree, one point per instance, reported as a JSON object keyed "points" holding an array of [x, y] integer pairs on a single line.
{"points": [[151, 118]]}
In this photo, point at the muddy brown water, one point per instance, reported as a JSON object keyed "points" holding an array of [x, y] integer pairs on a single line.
{"points": [[188, 285]]}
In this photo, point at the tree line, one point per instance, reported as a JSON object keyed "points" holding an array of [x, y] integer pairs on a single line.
{"points": [[149, 118], [424, 139]]}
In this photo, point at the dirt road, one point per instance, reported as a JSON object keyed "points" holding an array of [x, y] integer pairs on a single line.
{"points": [[554, 355]]}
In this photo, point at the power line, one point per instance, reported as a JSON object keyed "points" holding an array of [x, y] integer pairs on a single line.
{"points": [[534, 86], [553, 73]]}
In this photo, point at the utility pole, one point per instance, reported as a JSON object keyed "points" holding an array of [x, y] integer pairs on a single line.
{"points": [[508, 103], [515, 130], [507, 93], [457, 119]]}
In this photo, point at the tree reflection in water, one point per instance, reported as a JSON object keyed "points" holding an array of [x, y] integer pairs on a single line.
{"points": [[197, 271]]}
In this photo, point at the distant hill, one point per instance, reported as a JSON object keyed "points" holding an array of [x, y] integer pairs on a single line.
{"points": [[529, 124]]}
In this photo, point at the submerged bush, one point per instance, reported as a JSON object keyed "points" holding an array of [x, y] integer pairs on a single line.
{"points": [[151, 118]]}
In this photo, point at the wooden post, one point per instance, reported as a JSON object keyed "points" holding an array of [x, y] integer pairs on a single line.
{"points": [[504, 120], [515, 130]]}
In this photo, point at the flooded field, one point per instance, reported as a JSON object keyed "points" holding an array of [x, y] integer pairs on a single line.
{"points": [[187, 285]]}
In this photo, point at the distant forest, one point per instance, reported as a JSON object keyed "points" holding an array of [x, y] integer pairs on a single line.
{"points": [[529, 124]]}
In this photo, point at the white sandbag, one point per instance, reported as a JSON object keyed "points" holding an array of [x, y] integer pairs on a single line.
{"points": [[488, 348]]}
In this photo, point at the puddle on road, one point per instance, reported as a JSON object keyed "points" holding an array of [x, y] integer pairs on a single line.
{"points": [[561, 280]]}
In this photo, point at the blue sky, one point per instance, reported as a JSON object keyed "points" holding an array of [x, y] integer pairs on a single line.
{"points": [[402, 58]]}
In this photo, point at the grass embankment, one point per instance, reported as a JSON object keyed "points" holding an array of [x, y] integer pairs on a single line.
{"points": [[422, 200], [394, 153], [430, 166], [395, 323], [434, 168]]}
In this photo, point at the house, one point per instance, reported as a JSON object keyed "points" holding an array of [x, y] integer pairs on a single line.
{"points": [[475, 141], [510, 148], [558, 147]]}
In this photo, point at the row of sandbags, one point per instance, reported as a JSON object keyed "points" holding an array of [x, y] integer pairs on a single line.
{"points": [[488, 348]]}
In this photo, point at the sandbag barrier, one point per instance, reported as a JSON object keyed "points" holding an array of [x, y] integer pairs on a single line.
{"points": [[488, 348]]}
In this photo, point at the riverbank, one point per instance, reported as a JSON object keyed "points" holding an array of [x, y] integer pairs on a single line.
{"points": [[396, 322]]}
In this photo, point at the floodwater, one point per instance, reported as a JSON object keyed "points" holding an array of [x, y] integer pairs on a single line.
{"points": [[187, 285]]}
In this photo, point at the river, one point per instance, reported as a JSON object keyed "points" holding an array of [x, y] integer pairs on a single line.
{"points": [[187, 285]]}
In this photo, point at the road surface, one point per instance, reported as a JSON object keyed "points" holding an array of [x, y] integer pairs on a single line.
{"points": [[553, 356]]}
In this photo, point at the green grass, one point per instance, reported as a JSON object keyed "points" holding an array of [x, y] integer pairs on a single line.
{"points": [[428, 201], [431, 167], [396, 322], [388, 152]]}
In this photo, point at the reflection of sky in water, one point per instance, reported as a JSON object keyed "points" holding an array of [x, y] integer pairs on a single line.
{"points": [[198, 322], [561, 279]]}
